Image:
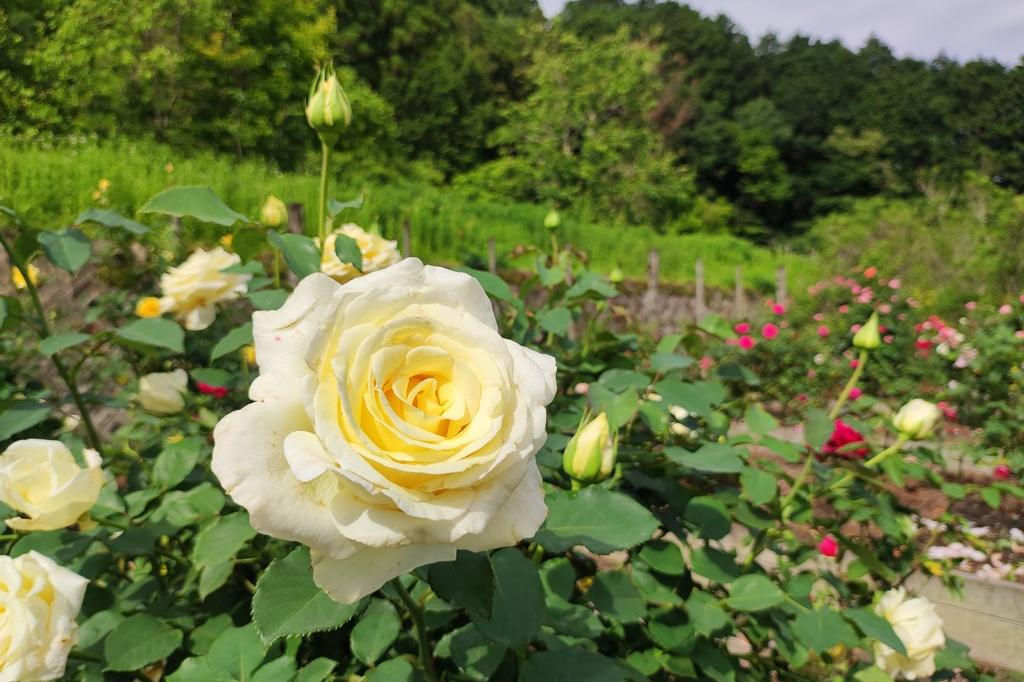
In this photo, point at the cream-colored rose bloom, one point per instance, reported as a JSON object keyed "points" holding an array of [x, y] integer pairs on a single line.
{"points": [[41, 480], [918, 627], [917, 419], [163, 392], [377, 253], [192, 290], [39, 602], [392, 426]]}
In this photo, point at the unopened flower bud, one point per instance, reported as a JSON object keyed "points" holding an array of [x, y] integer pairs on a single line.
{"points": [[917, 419], [552, 219], [868, 336], [274, 213], [828, 546], [616, 275], [328, 109], [589, 456]]}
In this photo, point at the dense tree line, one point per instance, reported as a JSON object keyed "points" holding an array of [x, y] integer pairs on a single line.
{"points": [[647, 112]]}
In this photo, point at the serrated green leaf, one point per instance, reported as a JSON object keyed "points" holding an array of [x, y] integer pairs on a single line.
{"points": [[109, 218], [270, 299], [758, 486], [347, 250], [759, 421], [138, 641], [468, 581], [213, 577], [817, 428], [518, 603], [232, 341], [287, 601], [222, 539], [615, 596], [58, 342], [176, 461], [754, 593], [708, 516], [714, 564], [705, 613], [20, 416], [300, 252], [555, 320], [875, 627], [822, 629], [237, 652], [376, 631], [156, 331], [477, 656], [334, 207], [68, 249], [717, 458], [601, 520], [194, 202], [570, 665]]}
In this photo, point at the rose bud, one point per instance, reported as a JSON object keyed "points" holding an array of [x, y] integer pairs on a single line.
{"points": [[917, 419]]}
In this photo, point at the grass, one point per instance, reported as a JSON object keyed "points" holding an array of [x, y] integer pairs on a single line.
{"points": [[51, 186]]}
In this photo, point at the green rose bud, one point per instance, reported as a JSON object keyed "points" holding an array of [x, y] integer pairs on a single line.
{"points": [[328, 109], [917, 419], [868, 337], [589, 456], [616, 276], [274, 213], [552, 219]]}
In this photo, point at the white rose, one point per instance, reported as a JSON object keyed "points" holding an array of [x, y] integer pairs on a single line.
{"points": [[920, 630], [192, 289], [39, 602], [392, 426], [917, 419], [41, 480], [163, 392], [377, 253]]}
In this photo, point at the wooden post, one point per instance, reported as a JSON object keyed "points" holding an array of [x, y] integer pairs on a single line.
{"points": [[492, 257], [780, 285], [406, 239], [738, 304], [653, 264], [296, 219], [699, 303]]}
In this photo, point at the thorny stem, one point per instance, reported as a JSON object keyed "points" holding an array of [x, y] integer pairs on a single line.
{"points": [[857, 371], [45, 332], [325, 155], [416, 613]]}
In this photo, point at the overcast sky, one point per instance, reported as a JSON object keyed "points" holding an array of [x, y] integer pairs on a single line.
{"points": [[921, 28]]}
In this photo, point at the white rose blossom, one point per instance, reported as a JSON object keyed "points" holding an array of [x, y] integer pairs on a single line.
{"points": [[163, 392], [39, 602], [377, 253], [40, 479], [918, 627], [392, 425], [192, 290]]}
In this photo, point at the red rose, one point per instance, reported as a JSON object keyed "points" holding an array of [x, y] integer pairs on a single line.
{"points": [[215, 391], [843, 440]]}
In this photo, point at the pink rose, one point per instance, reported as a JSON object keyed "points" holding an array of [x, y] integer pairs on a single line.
{"points": [[741, 328], [769, 331], [823, 331], [747, 342]]}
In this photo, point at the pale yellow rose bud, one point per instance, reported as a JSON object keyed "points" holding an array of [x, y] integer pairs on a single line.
{"points": [[868, 337], [163, 392], [249, 354], [148, 306], [328, 109], [18, 278], [552, 219], [589, 456], [41, 480], [274, 212], [40, 602], [917, 419]]}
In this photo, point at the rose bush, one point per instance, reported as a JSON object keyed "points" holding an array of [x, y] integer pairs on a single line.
{"points": [[423, 473]]}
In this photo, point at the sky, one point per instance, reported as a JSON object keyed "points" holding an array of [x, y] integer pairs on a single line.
{"points": [[963, 29]]}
